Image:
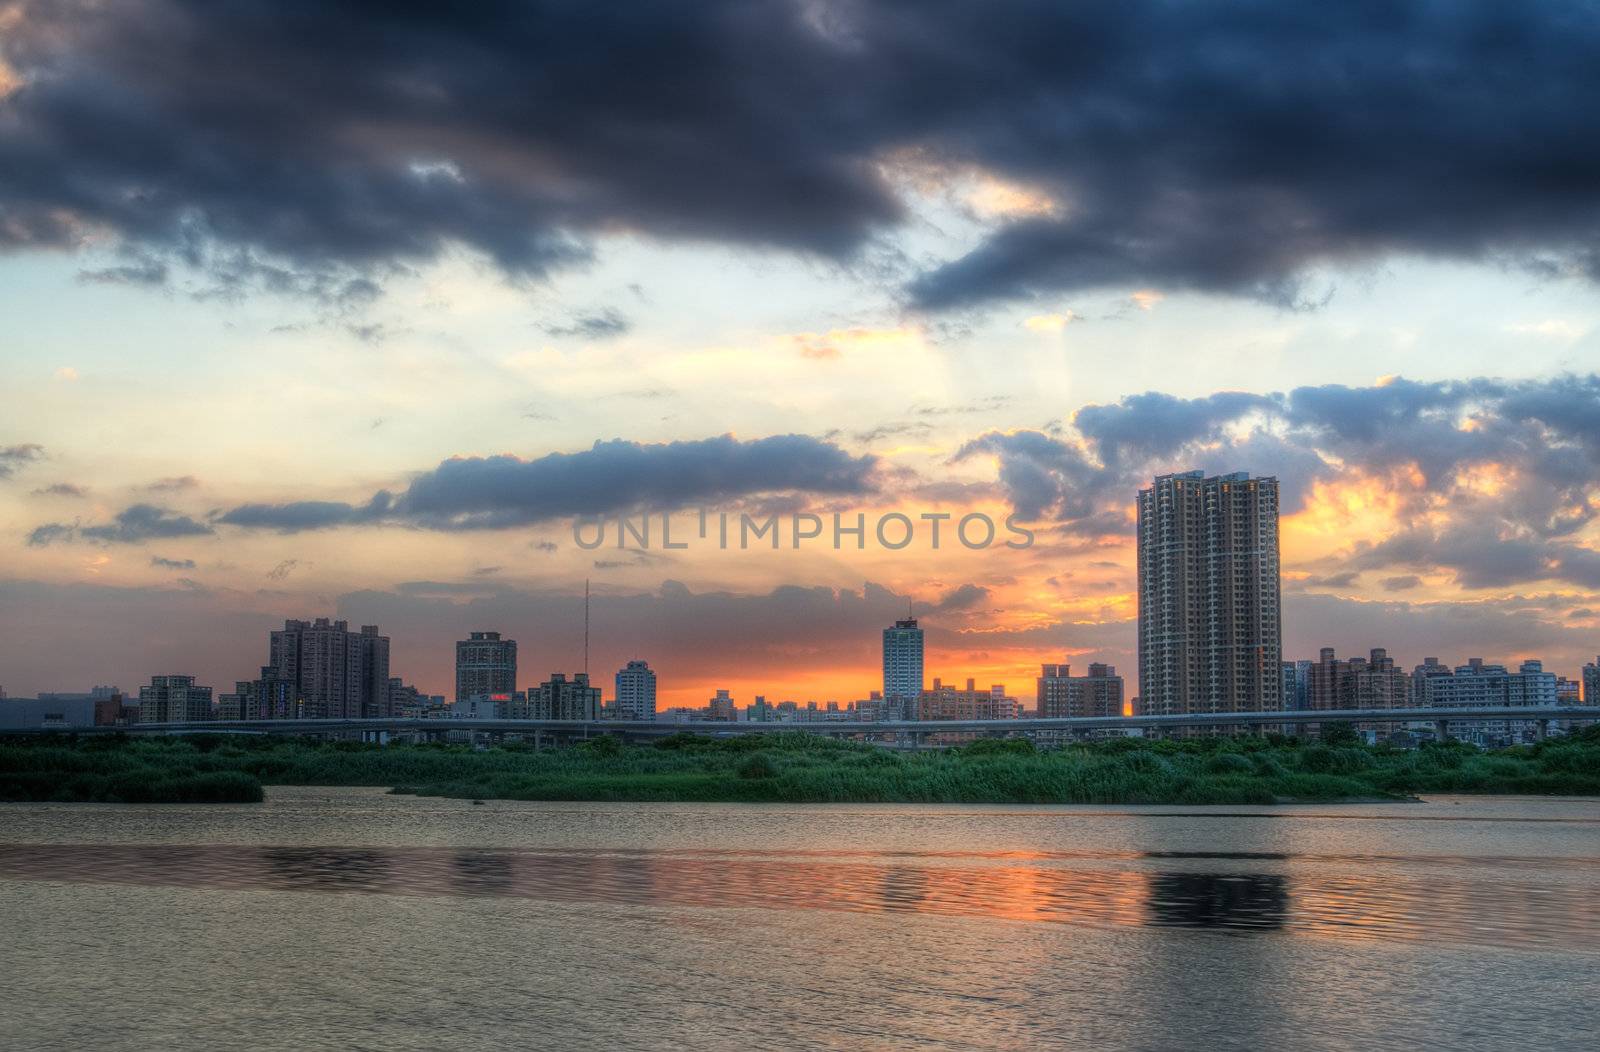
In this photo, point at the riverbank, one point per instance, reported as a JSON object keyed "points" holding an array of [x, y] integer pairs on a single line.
{"points": [[793, 768]]}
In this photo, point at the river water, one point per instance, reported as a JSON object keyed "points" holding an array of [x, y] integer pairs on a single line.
{"points": [[351, 919]]}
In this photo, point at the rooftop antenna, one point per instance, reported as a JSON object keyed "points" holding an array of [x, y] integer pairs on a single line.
{"points": [[586, 628]]}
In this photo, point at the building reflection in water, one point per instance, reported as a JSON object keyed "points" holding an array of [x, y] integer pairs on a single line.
{"points": [[1455, 900], [482, 873], [1229, 901], [325, 869], [903, 888]]}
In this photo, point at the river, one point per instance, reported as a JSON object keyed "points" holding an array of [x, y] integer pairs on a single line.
{"points": [[349, 918]]}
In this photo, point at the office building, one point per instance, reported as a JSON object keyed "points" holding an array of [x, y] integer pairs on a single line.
{"points": [[560, 698], [902, 665], [170, 699], [1210, 633], [636, 692], [485, 665], [331, 672], [1061, 694], [1591, 682]]}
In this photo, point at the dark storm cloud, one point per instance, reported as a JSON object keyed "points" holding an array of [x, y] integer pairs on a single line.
{"points": [[13, 457], [1224, 147], [610, 477]]}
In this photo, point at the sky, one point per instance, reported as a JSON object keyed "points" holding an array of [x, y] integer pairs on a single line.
{"points": [[353, 310]]}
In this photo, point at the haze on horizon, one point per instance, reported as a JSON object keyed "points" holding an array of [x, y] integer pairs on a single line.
{"points": [[331, 310]]}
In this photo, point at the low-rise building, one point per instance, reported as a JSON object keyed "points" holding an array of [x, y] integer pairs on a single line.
{"points": [[1478, 685], [1062, 695]]}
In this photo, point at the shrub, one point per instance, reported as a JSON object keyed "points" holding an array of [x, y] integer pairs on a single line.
{"points": [[605, 745], [1229, 763], [1338, 732], [999, 747], [758, 765]]}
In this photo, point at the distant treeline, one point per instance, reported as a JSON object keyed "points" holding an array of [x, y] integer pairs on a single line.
{"points": [[795, 767]]}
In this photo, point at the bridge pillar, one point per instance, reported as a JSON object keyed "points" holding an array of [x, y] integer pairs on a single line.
{"points": [[1543, 729], [1441, 729]]}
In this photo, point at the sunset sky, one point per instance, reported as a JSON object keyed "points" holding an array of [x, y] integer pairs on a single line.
{"points": [[332, 310]]}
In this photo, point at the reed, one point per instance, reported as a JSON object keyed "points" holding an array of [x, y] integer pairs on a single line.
{"points": [[791, 767]]}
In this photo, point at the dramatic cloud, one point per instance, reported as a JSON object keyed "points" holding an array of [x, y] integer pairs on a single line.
{"points": [[1149, 425], [1493, 480], [13, 457], [1228, 146], [610, 477]]}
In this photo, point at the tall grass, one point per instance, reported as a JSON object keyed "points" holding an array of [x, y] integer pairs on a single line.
{"points": [[795, 768]]}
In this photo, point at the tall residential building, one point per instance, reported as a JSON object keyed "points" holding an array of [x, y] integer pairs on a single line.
{"points": [[1210, 631], [1359, 683], [902, 661], [485, 664], [560, 698], [331, 672], [1591, 682], [636, 692], [1430, 667], [1061, 694], [169, 699]]}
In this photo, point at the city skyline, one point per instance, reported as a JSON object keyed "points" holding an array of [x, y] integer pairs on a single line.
{"points": [[374, 368], [843, 684], [321, 669]]}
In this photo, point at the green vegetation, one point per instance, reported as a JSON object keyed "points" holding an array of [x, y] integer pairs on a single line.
{"points": [[793, 768]]}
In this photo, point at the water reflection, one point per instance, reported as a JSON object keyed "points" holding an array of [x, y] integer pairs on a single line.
{"points": [[478, 873], [1226, 892], [316, 869], [1230, 901]]}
